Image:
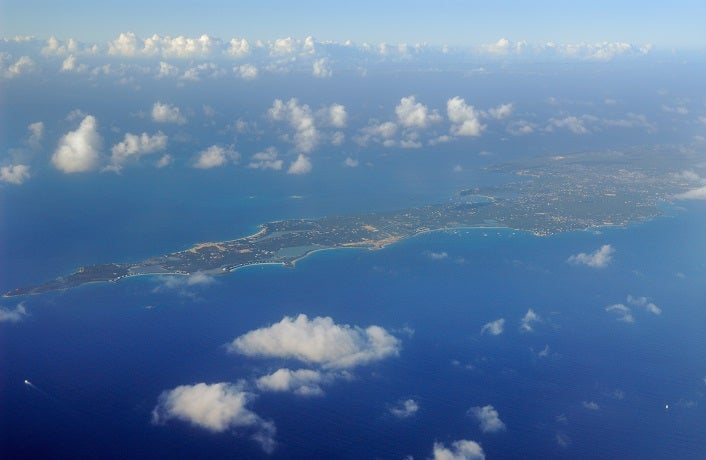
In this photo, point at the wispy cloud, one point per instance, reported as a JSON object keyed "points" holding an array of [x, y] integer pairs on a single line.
{"points": [[405, 409], [437, 255], [645, 303], [623, 312], [528, 321], [494, 327], [590, 405], [183, 284]]}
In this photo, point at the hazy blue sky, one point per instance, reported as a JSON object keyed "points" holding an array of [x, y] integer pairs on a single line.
{"points": [[678, 23]]}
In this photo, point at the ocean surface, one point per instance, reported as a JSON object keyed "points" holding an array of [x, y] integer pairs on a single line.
{"points": [[581, 384]]}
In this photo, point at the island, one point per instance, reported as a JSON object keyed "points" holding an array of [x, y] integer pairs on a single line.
{"points": [[544, 196]]}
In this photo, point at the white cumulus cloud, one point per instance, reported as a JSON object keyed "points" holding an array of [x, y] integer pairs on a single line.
{"points": [[493, 327], [350, 162], [78, 151], [14, 174], [36, 133], [378, 132], [215, 156], [246, 71], [266, 160], [299, 117], [166, 113], [125, 45], [302, 165], [501, 47], [318, 341], [464, 118], [600, 258], [321, 69], [520, 128], [488, 418], [69, 64], [303, 382], [9, 69], [501, 111], [13, 315], [413, 114], [214, 407], [59, 48], [239, 47], [165, 161], [459, 450], [336, 115], [133, 145], [572, 123], [167, 70], [282, 47]]}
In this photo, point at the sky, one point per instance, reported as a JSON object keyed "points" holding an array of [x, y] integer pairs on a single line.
{"points": [[677, 24]]}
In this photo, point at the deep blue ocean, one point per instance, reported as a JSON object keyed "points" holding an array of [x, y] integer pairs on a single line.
{"points": [[581, 385]]}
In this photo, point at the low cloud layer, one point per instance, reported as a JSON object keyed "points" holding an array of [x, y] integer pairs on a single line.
{"points": [[318, 341]]}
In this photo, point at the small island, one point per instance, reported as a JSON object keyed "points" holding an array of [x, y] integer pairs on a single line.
{"points": [[544, 196]]}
